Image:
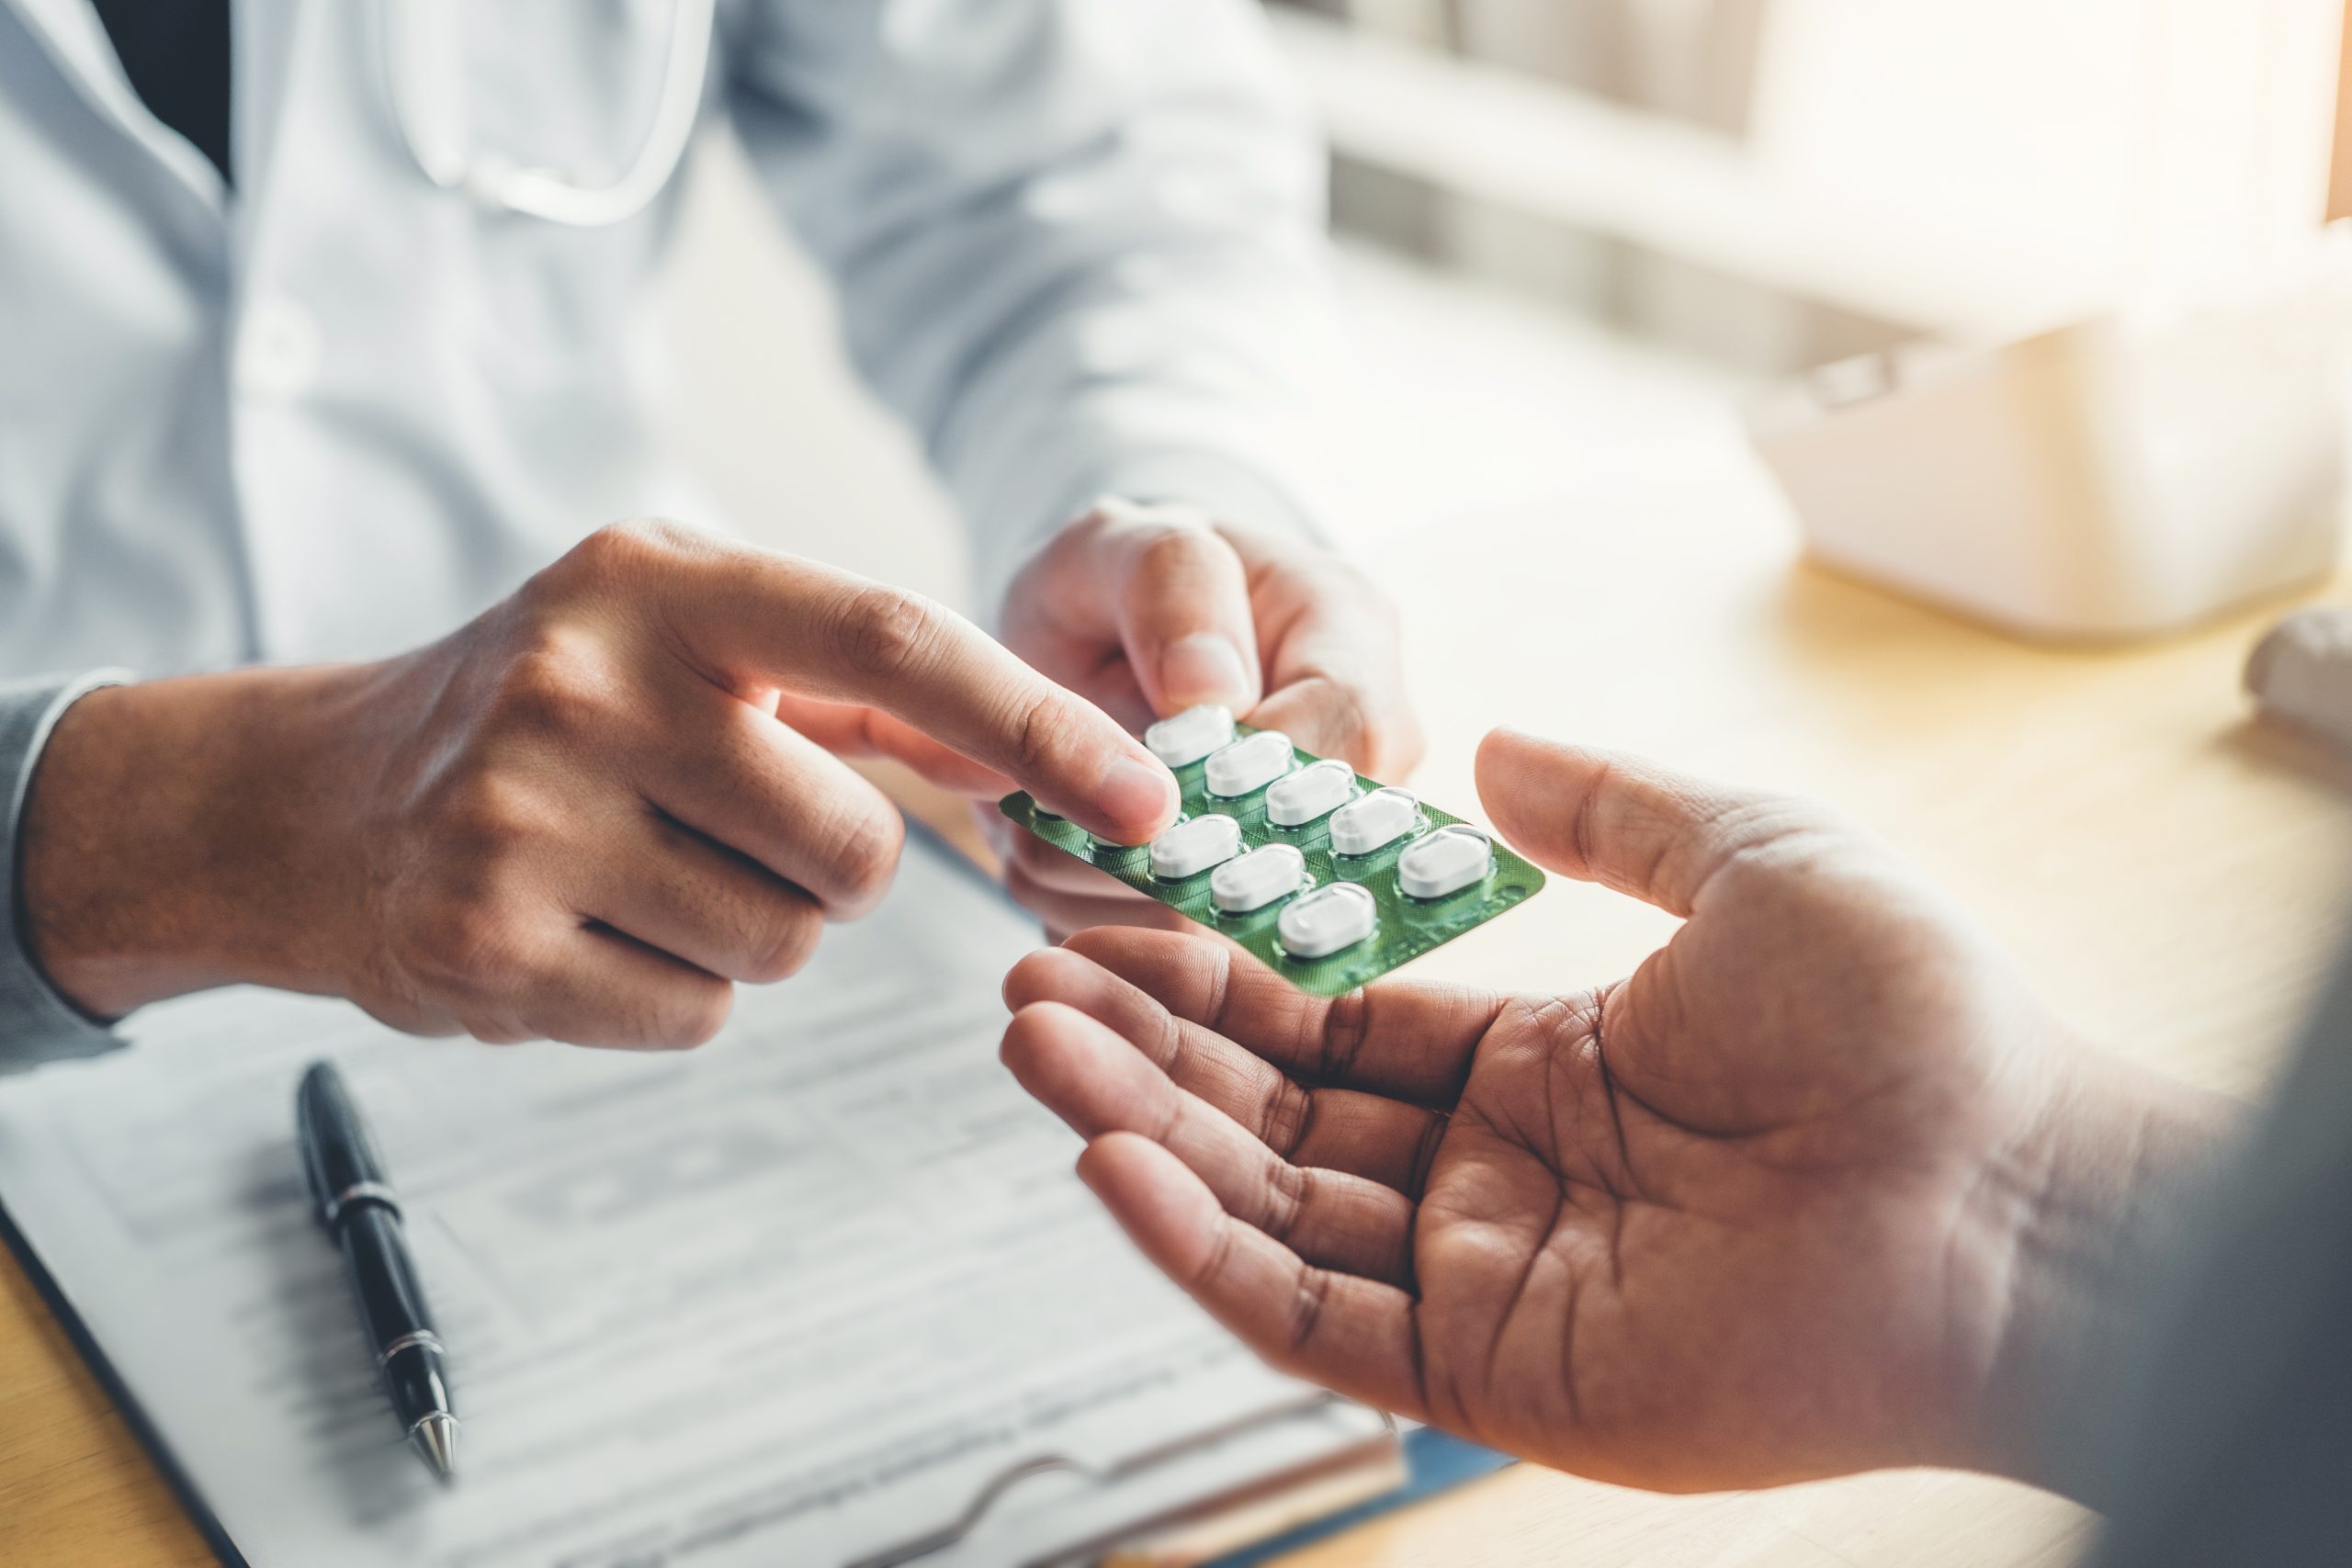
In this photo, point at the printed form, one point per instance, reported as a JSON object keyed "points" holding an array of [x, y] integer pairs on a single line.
{"points": [[799, 1297]]}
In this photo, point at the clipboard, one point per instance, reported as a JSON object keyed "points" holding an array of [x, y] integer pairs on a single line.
{"points": [[73, 1293]]}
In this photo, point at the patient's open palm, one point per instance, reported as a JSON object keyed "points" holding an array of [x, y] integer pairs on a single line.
{"points": [[1745, 1217]]}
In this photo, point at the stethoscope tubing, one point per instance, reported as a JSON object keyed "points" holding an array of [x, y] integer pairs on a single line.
{"points": [[501, 184]]}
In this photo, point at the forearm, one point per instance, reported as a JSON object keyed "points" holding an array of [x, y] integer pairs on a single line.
{"points": [[162, 847], [2101, 1200], [1102, 276]]}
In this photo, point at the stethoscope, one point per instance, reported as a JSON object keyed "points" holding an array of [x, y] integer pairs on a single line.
{"points": [[413, 30]]}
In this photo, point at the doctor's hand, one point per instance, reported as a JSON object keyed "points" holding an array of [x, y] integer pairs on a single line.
{"points": [[581, 816], [1148, 611], [1820, 1187]]}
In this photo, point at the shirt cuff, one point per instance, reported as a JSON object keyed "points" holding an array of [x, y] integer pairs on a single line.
{"points": [[37, 1024]]}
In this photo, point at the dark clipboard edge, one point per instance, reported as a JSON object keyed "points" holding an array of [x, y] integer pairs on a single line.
{"points": [[134, 1416]]}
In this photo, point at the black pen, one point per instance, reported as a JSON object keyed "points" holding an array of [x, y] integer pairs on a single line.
{"points": [[356, 1205]]}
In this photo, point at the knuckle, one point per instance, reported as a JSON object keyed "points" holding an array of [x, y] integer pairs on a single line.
{"points": [[1175, 564], [1107, 512], [785, 948], [1339, 719], [1347, 716], [1346, 1023], [695, 1014], [1287, 1189], [1105, 515], [1307, 1308], [1757, 846], [1178, 549], [885, 631], [1012, 1047], [1119, 516], [863, 851], [468, 941], [557, 684], [1034, 584], [1287, 1112], [1038, 977], [1213, 1274], [488, 821], [629, 548], [1585, 829], [1045, 718], [1758, 833], [470, 902]]}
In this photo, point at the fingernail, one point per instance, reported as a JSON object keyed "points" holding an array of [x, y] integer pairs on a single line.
{"points": [[1205, 668], [1136, 792]]}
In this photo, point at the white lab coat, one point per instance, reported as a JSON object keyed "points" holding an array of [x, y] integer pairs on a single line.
{"points": [[340, 411]]}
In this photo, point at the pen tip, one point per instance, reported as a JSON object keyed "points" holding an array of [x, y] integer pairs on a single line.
{"points": [[435, 1437]]}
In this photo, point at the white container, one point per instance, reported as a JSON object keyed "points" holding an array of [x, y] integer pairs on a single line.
{"points": [[2119, 478]]}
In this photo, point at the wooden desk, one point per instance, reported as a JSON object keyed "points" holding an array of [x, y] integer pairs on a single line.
{"points": [[2170, 875]]}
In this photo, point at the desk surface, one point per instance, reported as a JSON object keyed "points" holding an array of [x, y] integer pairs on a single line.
{"points": [[2169, 872]]}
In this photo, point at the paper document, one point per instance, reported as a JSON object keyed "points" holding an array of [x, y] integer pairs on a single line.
{"points": [[796, 1298]]}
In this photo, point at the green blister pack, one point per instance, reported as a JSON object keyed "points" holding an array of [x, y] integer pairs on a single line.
{"points": [[1330, 878]]}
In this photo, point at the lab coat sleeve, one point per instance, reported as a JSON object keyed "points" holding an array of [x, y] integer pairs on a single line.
{"points": [[1078, 246], [37, 1025]]}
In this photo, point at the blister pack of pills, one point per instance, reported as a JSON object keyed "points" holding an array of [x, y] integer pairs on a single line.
{"points": [[1331, 878]]}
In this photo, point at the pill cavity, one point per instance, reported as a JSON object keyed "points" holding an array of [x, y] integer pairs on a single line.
{"points": [[1378, 819], [1310, 793], [1258, 878], [1325, 921], [1190, 848], [1446, 862], [1184, 739], [1250, 764]]}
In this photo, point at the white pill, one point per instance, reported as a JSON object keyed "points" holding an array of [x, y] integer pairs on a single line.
{"points": [[1257, 879], [1380, 817], [1190, 848], [1326, 920], [1310, 793], [1186, 738], [1249, 763], [1446, 862]]}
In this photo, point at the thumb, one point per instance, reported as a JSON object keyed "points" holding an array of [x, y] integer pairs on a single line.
{"points": [[1181, 599], [1626, 823]]}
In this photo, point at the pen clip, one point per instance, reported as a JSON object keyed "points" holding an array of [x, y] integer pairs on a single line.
{"points": [[918, 1547]]}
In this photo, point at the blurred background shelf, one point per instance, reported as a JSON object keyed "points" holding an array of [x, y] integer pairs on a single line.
{"points": [[1487, 134], [1783, 182]]}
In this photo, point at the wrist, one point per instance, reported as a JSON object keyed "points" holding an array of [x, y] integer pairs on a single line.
{"points": [[2095, 1203], [165, 847]]}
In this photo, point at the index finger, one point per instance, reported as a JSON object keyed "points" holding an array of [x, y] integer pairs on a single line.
{"points": [[755, 618]]}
